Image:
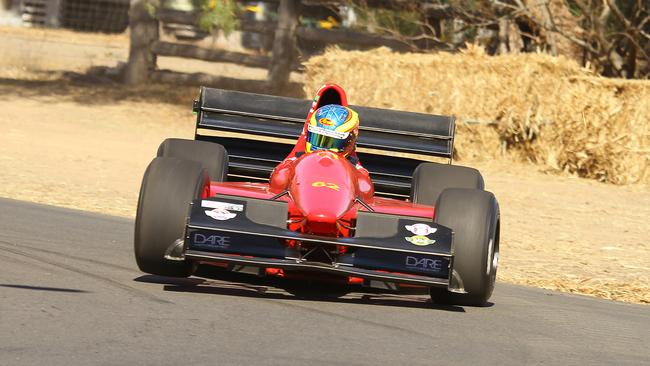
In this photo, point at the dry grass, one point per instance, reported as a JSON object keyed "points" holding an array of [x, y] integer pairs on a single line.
{"points": [[618, 291], [544, 110], [547, 110]]}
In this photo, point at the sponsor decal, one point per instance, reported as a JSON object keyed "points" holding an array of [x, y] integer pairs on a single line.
{"points": [[326, 185], [222, 205], [220, 214], [421, 229], [326, 122], [212, 241], [423, 264], [419, 240], [333, 112], [328, 133]]}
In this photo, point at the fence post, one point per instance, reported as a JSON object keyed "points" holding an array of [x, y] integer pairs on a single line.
{"points": [[144, 31], [504, 38], [284, 44]]}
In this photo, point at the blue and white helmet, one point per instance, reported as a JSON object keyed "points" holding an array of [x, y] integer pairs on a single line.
{"points": [[333, 127]]}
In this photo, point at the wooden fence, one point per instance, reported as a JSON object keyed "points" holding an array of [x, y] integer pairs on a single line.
{"points": [[146, 43]]}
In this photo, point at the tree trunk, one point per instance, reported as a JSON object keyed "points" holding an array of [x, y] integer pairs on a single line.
{"points": [[284, 44], [144, 32]]}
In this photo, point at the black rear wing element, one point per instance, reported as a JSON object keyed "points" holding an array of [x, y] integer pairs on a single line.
{"points": [[259, 131]]}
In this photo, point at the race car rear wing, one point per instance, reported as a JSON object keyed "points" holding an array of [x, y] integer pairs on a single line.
{"points": [[259, 131]]}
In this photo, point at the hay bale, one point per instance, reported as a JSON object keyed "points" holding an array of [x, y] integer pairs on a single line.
{"points": [[547, 110]]}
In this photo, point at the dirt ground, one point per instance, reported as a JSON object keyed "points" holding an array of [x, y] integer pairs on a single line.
{"points": [[69, 140]]}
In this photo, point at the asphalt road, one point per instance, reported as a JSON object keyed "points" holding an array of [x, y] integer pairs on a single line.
{"points": [[71, 294]]}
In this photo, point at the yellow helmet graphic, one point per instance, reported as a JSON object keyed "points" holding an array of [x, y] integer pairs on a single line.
{"points": [[333, 127]]}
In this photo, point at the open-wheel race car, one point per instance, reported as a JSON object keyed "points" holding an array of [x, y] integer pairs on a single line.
{"points": [[262, 190]]}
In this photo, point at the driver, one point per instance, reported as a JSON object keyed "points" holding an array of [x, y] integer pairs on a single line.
{"points": [[332, 127]]}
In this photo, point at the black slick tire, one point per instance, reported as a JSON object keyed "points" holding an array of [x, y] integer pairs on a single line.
{"points": [[168, 187], [430, 179], [474, 217], [211, 156]]}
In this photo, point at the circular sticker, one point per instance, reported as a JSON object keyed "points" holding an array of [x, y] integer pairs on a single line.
{"points": [[419, 240], [421, 229], [220, 214]]}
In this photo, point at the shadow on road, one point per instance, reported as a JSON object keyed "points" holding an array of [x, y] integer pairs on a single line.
{"points": [[43, 288], [228, 283]]}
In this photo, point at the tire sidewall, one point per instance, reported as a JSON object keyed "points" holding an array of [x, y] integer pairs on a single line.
{"points": [[211, 156], [474, 217], [430, 179], [160, 218]]}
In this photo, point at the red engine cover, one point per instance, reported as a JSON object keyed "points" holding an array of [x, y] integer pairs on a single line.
{"points": [[324, 188]]}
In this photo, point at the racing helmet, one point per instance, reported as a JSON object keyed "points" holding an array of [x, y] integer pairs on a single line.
{"points": [[333, 127]]}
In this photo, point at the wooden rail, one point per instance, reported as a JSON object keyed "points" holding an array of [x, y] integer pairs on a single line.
{"points": [[185, 50], [351, 37], [208, 54], [146, 45]]}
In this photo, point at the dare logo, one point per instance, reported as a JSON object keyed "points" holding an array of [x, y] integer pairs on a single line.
{"points": [[423, 264], [211, 241]]}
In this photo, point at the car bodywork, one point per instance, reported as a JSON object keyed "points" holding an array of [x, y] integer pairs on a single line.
{"points": [[322, 224]]}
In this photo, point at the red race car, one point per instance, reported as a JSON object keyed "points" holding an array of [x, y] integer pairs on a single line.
{"points": [[356, 201]]}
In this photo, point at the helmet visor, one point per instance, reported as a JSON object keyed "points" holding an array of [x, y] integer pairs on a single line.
{"points": [[324, 139]]}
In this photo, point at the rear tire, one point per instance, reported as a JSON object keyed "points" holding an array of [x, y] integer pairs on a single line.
{"points": [[473, 215], [211, 156], [168, 187], [430, 179]]}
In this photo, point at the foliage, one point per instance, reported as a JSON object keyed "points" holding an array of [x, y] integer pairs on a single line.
{"points": [[610, 36], [404, 22], [614, 35], [218, 14], [151, 6], [213, 14]]}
